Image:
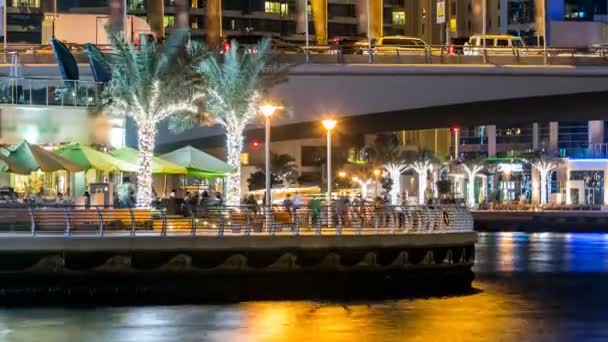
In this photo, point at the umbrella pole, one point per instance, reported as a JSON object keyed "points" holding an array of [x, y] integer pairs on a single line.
{"points": [[165, 189]]}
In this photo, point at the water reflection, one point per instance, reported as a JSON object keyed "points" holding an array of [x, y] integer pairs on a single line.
{"points": [[530, 287], [541, 252]]}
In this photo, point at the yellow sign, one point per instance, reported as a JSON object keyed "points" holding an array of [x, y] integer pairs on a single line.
{"points": [[440, 12]]}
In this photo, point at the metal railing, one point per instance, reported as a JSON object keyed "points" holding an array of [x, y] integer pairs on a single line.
{"points": [[49, 92], [433, 54], [68, 220]]}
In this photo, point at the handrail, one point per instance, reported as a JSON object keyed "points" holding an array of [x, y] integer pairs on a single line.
{"points": [[357, 219]]}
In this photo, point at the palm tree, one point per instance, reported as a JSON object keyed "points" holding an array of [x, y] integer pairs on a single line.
{"points": [[545, 165], [236, 83], [390, 154], [283, 167], [472, 166], [149, 84], [422, 162]]}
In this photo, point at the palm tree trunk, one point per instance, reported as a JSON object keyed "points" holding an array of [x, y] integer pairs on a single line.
{"points": [[146, 133], [234, 146], [421, 186]]}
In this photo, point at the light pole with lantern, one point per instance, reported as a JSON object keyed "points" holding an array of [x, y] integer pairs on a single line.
{"points": [[329, 125], [267, 110]]}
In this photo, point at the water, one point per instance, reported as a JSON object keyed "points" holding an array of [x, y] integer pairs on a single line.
{"points": [[529, 287]]}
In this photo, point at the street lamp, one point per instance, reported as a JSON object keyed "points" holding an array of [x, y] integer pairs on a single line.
{"points": [[267, 110], [329, 125]]}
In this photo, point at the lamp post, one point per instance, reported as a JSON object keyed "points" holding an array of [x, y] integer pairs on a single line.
{"points": [[267, 110], [329, 125]]}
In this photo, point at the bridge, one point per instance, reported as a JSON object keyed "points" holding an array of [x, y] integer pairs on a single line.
{"points": [[375, 97]]}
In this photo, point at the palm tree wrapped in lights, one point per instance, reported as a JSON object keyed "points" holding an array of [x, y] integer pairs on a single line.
{"points": [[545, 165], [388, 152], [472, 167], [422, 162], [236, 83], [150, 83]]}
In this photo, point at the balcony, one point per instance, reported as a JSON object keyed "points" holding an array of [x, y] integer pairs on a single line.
{"points": [[49, 92]]}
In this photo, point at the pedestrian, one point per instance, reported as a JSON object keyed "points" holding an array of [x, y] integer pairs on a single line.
{"points": [[315, 209], [87, 200]]}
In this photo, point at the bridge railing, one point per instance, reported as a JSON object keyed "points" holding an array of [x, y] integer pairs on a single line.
{"points": [[49, 92], [232, 221], [434, 54]]}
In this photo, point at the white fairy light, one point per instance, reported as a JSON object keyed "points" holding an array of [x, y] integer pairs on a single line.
{"points": [[421, 168], [544, 167], [394, 171]]}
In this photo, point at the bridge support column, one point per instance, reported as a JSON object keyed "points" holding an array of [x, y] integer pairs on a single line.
{"points": [[596, 132], [213, 22], [319, 13], [553, 136], [491, 133], [372, 20], [535, 137], [155, 11], [301, 7]]}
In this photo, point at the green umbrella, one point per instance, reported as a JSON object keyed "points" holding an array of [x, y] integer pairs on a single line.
{"points": [[159, 165], [198, 163], [26, 158], [89, 158]]}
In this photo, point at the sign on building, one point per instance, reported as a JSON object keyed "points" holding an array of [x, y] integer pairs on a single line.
{"points": [[440, 12]]}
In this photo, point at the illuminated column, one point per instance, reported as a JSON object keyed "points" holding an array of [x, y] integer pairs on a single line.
{"points": [[213, 22], [375, 17], [491, 133], [117, 15], [301, 16], [535, 137], [553, 136], [155, 12], [182, 15], [596, 131], [319, 14]]}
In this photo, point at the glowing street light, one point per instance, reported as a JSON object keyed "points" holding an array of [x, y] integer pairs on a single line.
{"points": [[341, 174], [329, 125], [267, 110]]}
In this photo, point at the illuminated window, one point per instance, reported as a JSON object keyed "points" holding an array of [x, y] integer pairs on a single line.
{"points": [[169, 21], [194, 3], [194, 25], [399, 17], [276, 8], [25, 3], [245, 158]]}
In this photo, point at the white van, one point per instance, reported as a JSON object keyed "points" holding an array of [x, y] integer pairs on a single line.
{"points": [[495, 45], [392, 45]]}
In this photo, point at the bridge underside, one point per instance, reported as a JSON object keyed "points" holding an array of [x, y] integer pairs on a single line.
{"points": [[571, 107]]}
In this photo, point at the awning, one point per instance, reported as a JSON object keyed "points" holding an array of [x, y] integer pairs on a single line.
{"points": [[198, 163], [89, 158], [159, 165], [26, 158]]}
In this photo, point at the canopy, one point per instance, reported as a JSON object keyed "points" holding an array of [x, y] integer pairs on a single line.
{"points": [[26, 158], [159, 165], [89, 158], [198, 163]]}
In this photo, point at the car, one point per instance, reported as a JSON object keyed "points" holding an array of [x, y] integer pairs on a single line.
{"points": [[393, 45], [495, 45], [249, 43], [346, 45], [457, 45]]}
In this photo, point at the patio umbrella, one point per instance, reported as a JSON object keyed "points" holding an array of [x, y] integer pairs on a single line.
{"points": [[27, 158], [198, 163], [159, 165], [8, 165], [89, 158]]}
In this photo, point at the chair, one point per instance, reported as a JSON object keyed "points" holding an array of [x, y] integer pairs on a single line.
{"points": [[99, 65]]}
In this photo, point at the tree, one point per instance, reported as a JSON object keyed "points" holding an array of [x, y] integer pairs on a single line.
{"points": [[388, 152], [421, 162], [236, 84], [257, 180], [283, 167], [545, 165], [472, 166], [150, 83]]}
